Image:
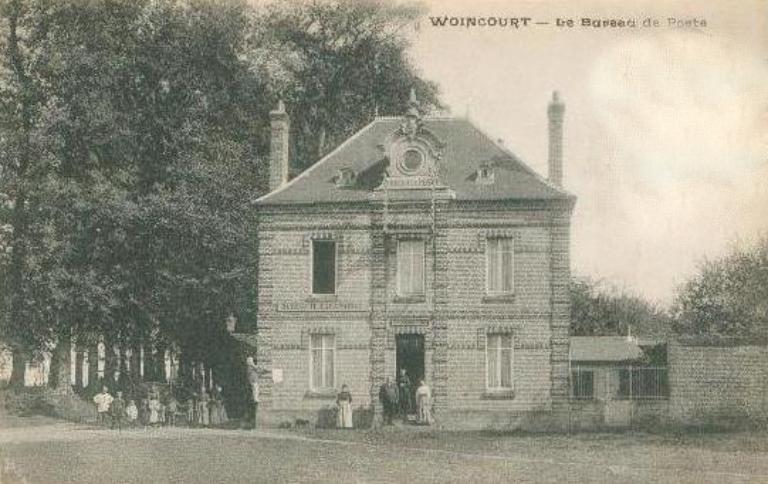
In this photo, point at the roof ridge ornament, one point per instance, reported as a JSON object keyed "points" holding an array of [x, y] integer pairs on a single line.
{"points": [[412, 124]]}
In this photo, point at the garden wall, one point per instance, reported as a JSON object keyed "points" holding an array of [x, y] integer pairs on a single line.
{"points": [[718, 381]]}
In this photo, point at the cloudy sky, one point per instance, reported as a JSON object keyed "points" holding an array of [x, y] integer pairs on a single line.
{"points": [[666, 141]]}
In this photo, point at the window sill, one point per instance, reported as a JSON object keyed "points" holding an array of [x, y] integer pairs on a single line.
{"points": [[498, 395], [499, 298], [322, 297], [410, 299], [324, 394]]}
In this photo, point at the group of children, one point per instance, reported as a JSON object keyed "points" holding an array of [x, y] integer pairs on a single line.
{"points": [[201, 409]]}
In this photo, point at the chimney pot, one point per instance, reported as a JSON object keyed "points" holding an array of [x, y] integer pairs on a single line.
{"points": [[555, 113], [280, 127]]}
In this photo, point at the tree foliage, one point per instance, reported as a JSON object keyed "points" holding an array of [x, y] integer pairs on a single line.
{"points": [[601, 310], [728, 297], [337, 64], [134, 133]]}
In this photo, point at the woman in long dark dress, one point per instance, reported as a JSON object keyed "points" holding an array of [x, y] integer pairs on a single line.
{"points": [[218, 411]]}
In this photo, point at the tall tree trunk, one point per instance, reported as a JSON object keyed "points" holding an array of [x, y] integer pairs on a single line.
{"points": [[19, 363], [61, 368], [19, 219]]}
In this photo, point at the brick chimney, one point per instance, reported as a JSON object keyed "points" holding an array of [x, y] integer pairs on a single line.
{"points": [[556, 112], [280, 126]]}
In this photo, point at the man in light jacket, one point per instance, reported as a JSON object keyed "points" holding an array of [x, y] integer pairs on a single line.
{"points": [[103, 401]]}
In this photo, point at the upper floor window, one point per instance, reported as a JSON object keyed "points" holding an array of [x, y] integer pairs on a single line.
{"points": [[500, 265], [410, 267], [323, 267]]}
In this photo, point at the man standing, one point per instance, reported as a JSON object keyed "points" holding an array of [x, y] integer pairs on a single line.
{"points": [[103, 401], [404, 385], [117, 409], [388, 395], [253, 380]]}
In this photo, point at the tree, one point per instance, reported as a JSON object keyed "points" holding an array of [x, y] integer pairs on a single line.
{"points": [[25, 164], [337, 64], [600, 310], [133, 135], [728, 297], [113, 113]]}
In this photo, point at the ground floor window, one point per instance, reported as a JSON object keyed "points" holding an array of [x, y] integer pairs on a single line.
{"points": [[322, 356], [498, 351], [636, 383], [582, 384]]}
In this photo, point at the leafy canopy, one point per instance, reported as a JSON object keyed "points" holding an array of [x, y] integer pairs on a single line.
{"points": [[133, 134], [728, 297]]}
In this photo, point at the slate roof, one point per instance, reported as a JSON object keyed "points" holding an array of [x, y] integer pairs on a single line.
{"points": [[604, 348], [466, 148]]}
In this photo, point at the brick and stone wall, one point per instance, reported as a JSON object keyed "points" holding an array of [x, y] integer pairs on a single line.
{"points": [[715, 382], [454, 316]]}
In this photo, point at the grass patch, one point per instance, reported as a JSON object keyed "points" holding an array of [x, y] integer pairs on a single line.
{"points": [[41, 401]]}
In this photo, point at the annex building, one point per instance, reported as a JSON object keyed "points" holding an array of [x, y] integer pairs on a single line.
{"points": [[418, 243]]}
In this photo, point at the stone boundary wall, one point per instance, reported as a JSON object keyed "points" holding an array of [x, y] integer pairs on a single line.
{"points": [[717, 381]]}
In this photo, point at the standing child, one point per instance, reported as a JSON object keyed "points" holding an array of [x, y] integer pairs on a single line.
{"points": [[191, 409], [218, 412], [171, 408], [154, 409], [116, 410], [132, 412], [144, 412], [203, 418], [103, 400]]}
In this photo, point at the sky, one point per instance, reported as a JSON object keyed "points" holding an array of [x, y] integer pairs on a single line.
{"points": [[666, 129]]}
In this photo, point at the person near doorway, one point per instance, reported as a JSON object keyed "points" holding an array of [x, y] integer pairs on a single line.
{"points": [[388, 395], [253, 379], [344, 407], [103, 401], [423, 404], [406, 397]]}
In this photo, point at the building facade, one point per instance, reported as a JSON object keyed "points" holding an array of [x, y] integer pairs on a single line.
{"points": [[419, 244]]}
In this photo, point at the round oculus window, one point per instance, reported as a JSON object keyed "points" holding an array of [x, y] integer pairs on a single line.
{"points": [[412, 160]]}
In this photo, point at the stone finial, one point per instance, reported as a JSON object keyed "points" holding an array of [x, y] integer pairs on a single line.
{"points": [[413, 105], [280, 109]]}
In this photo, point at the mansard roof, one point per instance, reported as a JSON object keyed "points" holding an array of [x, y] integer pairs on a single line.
{"points": [[465, 149]]}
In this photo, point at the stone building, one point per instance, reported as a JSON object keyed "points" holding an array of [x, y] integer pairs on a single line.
{"points": [[418, 243]]}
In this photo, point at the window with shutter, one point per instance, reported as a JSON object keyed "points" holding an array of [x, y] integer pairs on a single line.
{"points": [[499, 351], [500, 266], [322, 348], [410, 267]]}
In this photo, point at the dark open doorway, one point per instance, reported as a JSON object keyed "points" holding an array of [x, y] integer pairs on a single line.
{"points": [[410, 355]]}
